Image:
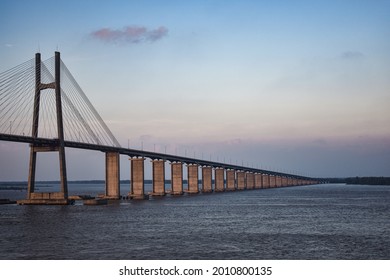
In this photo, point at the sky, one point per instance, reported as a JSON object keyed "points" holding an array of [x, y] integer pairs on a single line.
{"points": [[293, 86]]}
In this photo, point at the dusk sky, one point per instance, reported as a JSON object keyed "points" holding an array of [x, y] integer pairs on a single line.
{"points": [[293, 86]]}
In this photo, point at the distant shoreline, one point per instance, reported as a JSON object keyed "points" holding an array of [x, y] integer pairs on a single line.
{"points": [[379, 181], [349, 181]]}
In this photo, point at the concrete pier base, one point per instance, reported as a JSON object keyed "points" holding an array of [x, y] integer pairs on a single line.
{"points": [[219, 181], [137, 186], [193, 179], [176, 178], [241, 180], [46, 198], [207, 184], [112, 176], [230, 180], [98, 201], [45, 202], [284, 181], [158, 178]]}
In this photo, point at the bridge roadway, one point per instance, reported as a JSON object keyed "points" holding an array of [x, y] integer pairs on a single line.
{"points": [[139, 153]]}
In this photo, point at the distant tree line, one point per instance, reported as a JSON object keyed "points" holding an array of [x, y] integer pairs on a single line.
{"points": [[368, 181], [358, 180], [333, 180]]}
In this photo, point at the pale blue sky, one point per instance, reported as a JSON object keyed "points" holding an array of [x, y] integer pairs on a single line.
{"points": [[297, 86]]}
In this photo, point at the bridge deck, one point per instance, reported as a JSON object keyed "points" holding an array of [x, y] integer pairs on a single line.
{"points": [[139, 153]]}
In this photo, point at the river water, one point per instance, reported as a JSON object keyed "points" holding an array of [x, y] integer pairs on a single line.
{"points": [[307, 222]]}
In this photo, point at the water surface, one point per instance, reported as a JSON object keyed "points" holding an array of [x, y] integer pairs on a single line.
{"points": [[306, 222]]}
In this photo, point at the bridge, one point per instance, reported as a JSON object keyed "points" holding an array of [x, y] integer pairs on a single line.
{"points": [[41, 104]]}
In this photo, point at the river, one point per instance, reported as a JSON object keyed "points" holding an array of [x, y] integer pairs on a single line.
{"points": [[326, 221]]}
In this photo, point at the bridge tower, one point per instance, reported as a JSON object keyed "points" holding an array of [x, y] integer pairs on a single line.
{"points": [[60, 197]]}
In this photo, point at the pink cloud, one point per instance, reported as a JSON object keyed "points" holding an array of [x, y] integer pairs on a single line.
{"points": [[130, 34]]}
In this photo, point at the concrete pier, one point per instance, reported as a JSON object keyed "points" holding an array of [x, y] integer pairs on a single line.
{"points": [[265, 180], [219, 179], [258, 181], [137, 186], [272, 181], [241, 180], [112, 176], [158, 177], [284, 181], [278, 181], [230, 180], [193, 178], [207, 179], [250, 180], [176, 178]]}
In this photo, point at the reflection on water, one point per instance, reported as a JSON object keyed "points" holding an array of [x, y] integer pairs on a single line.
{"points": [[308, 222]]}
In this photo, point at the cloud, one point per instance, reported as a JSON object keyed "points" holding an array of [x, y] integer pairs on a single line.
{"points": [[352, 55], [9, 45], [130, 34]]}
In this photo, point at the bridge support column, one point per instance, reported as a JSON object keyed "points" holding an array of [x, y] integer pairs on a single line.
{"points": [[158, 177], [219, 179], [241, 180], [193, 178], [31, 173], [176, 178], [265, 179], [230, 180], [284, 181], [207, 178], [272, 181], [258, 181], [137, 186], [112, 176], [250, 181], [55, 198], [278, 181]]}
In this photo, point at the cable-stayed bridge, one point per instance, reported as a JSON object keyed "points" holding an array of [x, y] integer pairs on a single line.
{"points": [[42, 104]]}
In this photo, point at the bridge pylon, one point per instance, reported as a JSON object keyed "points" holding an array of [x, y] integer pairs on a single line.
{"points": [[60, 197]]}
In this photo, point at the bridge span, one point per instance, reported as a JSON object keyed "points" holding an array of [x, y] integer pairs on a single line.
{"points": [[71, 111]]}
